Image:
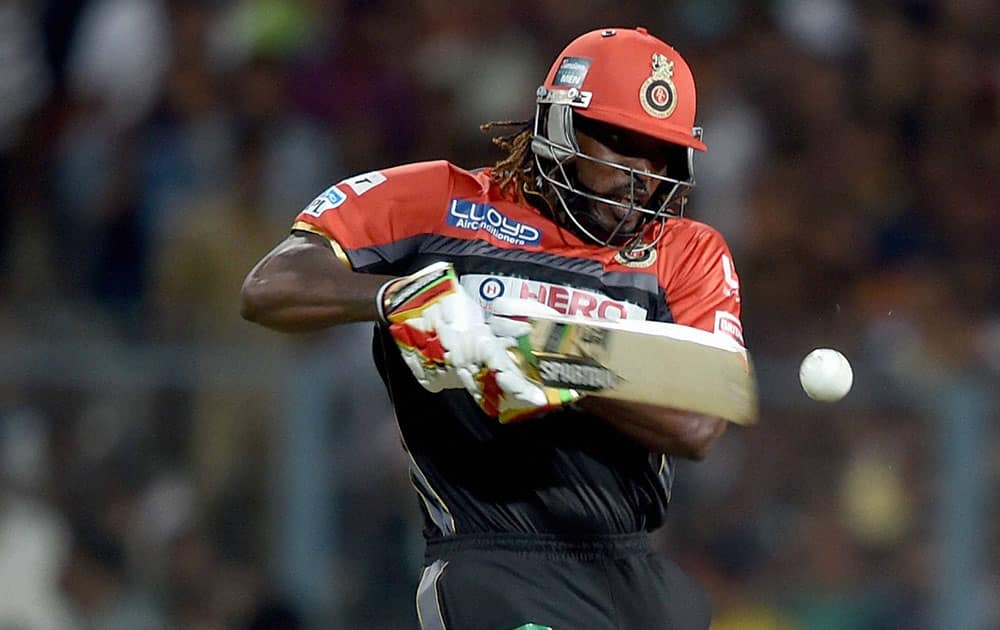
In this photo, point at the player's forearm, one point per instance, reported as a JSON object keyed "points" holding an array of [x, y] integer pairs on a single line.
{"points": [[661, 430], [289, 310], [302, 287]]}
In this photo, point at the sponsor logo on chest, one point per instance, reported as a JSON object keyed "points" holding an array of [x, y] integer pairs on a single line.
{"points": [[473, 216], [563, 299]]}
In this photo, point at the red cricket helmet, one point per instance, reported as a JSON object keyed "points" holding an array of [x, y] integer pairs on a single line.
{"points": [[630, 79], [625, 78]]}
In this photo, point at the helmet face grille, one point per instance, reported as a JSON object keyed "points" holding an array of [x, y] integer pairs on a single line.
{"points": [[556, 154], [625, 79]]}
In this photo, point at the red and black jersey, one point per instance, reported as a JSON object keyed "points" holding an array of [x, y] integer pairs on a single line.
{"points": [[565, 472]]}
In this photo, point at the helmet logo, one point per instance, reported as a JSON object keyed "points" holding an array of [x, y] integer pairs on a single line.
{"points": [[571, 73], [657, 95]]}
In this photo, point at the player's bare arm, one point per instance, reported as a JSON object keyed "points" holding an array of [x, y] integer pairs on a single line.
{"points": [[661, 430], [301, 286]]}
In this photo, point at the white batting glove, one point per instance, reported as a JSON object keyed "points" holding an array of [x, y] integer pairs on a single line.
{"points": [[430, 316], [509, 322], [445, 341]]}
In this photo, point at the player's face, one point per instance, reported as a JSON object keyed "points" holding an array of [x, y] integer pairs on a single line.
{"points": [[631, 150]]}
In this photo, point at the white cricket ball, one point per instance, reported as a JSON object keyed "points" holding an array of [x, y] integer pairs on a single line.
{"points": [[826, 375]]}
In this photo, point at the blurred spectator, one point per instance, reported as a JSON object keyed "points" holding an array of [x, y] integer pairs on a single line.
{"points": [[24, 83], [118, 55], [24, 79], [34, 537], [96, 585]]}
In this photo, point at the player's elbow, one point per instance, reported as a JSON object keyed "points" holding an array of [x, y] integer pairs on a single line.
{"points": [[254, 298], [699, 437]]}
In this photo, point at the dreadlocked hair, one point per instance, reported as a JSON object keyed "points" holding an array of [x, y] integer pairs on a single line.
{"points": [[514, 175]]}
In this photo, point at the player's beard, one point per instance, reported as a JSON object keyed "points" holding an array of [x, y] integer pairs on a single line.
{"points": [[615, 224], [602, 219]]}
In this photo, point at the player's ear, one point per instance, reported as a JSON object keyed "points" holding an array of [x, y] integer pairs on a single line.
{"points": [[678, 162]]}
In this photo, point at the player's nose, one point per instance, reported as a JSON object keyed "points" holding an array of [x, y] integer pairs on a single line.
{"points": [[642, 187], [640, 163], [639, 166]]}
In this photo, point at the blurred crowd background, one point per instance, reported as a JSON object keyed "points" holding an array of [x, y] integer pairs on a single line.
{"points": [[164, 464]]}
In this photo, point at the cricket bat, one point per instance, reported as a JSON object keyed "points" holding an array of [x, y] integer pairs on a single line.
{"points": [[657, 363]]}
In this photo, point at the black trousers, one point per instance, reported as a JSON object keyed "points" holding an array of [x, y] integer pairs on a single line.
{"points": [[509, 582]]}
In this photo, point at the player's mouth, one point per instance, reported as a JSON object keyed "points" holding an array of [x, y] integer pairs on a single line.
{"points": [[621, 213], [618, 218], [626, 196]]}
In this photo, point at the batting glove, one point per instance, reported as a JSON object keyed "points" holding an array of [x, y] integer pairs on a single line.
{"points": [[508, 321], [445, 341]]}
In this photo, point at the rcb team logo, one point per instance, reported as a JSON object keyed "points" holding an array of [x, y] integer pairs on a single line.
{"points": [[639, 259], [657, 94]]}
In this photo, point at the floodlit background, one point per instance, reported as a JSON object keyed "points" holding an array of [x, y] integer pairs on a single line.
{"points": [[164, 464]]}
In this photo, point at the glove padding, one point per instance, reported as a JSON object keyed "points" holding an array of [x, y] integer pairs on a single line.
{"points": [[508, 321], [429, 316], [446, 342]]}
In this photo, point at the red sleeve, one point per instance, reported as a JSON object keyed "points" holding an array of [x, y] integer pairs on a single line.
{"points": [[704, 290], [375, 219]]}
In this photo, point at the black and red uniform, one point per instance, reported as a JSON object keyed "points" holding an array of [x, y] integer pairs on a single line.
{"points": [[508, 508]]}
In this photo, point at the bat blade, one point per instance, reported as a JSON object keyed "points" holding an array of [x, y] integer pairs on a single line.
{"points": [[657, 363]]}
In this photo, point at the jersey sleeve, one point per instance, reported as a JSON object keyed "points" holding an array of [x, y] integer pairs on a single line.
{"points": [[375, 221], [705, 290]]}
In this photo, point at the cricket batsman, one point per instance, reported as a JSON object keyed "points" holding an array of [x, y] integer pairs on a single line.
{"points": [[537, 501]]}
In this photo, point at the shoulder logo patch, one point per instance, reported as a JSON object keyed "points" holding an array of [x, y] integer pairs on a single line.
{"points": [[361, 184], [334, 196], [329, 199]]}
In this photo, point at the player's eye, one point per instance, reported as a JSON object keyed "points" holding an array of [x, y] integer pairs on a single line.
{"points": [[662, 155]]}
